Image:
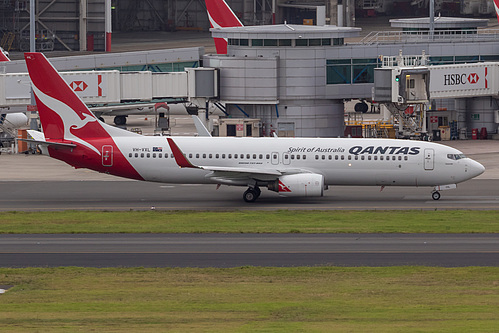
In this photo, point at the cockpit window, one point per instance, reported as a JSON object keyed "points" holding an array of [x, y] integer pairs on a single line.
{"points": [[455, 156]]}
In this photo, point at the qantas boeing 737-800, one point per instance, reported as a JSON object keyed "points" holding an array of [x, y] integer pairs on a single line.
{"points": [[289, 166]]}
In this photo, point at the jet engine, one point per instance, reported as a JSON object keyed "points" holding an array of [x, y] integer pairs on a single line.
{"points": [[13, 120], [299, 185]]}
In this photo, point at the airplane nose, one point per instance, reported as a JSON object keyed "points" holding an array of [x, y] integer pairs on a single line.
{"points": [[476, 168]]}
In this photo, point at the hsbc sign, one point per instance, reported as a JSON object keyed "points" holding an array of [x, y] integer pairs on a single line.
{"points": [[86, 84], [458, 77]]}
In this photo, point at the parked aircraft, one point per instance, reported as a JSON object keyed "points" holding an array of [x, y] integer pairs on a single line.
{"points": [[8, 118], [289, 166], [221, 16]]}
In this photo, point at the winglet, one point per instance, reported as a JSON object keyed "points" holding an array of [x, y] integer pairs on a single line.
{"points": [[180, 158], [202, 130]]}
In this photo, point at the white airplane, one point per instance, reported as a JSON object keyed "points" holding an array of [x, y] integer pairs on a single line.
{"points": [[11, 119], [289, 166]]}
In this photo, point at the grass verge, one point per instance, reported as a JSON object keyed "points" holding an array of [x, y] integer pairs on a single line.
{"points": [[251, 299], [460, 221]]}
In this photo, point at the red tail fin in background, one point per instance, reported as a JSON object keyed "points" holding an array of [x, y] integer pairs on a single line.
{"points": [[496, 6], [3, 56], [221, 16]]}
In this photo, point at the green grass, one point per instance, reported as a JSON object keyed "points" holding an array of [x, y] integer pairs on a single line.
{"points": [[457, 221], [251, 299]]}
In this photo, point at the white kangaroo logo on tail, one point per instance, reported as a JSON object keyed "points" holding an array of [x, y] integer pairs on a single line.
{"points": [[69, 117]]}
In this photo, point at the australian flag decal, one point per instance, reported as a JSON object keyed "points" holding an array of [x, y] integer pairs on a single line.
{"points": [[157, 149]]}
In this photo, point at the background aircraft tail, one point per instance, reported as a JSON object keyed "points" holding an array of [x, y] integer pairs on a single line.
{"points": [[3, 55], [221, 16], [496, 6]]}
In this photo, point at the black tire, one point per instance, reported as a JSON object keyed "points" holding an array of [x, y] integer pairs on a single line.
{"points": [[250, 195], [435, 195], [120, 120]]}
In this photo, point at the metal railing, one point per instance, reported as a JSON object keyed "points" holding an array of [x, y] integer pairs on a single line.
{"points": [[451, 36]]}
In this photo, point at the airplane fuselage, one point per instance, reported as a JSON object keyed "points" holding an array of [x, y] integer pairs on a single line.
{"points": [[341, 161]]}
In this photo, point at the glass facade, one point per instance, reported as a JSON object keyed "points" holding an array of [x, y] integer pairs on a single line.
{"points": [[353, 71], [300, 42]]}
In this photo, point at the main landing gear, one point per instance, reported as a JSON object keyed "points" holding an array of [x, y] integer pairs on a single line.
{"points": [[251, 194], [435, 195]]}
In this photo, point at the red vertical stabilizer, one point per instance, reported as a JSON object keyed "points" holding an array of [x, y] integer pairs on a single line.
{"points": [[221, 16]]}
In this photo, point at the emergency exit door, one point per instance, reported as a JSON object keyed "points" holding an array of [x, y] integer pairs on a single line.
{"points": [[429, 159]]}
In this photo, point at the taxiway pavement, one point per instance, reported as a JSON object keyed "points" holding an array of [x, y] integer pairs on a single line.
{"points": [[280, 250]]}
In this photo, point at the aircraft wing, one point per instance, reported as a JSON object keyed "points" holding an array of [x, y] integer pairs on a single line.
{"points": [[231, 173]]}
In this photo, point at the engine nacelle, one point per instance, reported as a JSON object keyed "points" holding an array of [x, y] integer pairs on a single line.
{"points": [[299, 185], [13, 120]]}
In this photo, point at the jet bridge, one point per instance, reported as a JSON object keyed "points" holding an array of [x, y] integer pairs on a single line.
{"points": [[405, 85], [105, 87]]}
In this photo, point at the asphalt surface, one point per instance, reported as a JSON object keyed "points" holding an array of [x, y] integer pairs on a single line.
{"points": [[186, 250], [133, 195], [38, 183]]}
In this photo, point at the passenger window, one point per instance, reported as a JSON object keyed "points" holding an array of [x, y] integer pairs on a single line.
{"points": [[323, 157], [275, 157], [148, 155], [204, 155], [356, 157], [223, 155], [369, 157], [217, 155], [210, 156], [160, 155], [342, 157], [316, 157], [136, 155], [394, 158], [375, 157], [330, 157], [254, 156], [267, 156], [400, 158], [381, 158], [260, 156], [248, 156], [153, 155], [235, 156], [405, 158], [349, 157], [297, 157], [304, 157], [292, 157], [142, 155], [229, 156], [190, 155], [130, 155], [197, 155], [335, 157]]}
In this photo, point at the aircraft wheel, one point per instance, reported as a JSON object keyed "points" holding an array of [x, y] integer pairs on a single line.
{"points": [[102, 119], [120, 120], [435, 195], [250, 195]]}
